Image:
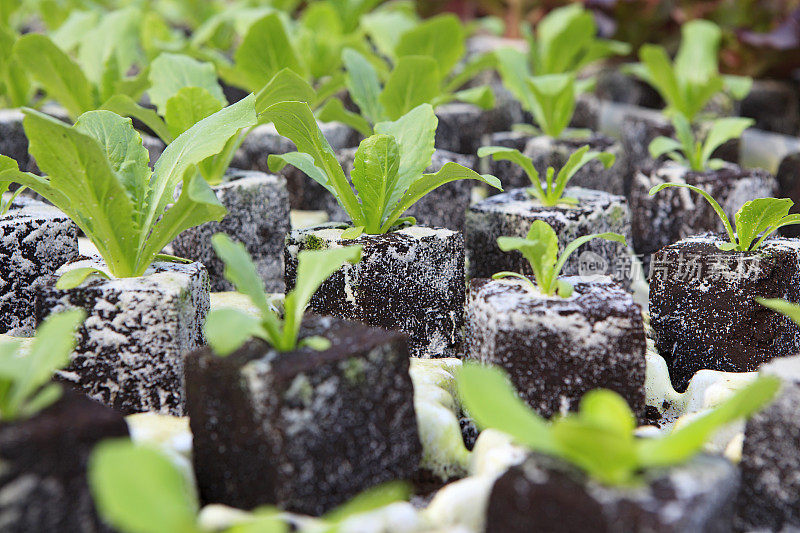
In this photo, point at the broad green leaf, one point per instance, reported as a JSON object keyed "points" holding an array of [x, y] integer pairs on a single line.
{"points": [[717, 208], [663, 145], [369, 500], [374, 176], [580, 241], [138, 489], [687, 440], [187, 107], [353, 232], [295, 121], [124, 105], [78, 24], [363, 85], [228, 329], [62, 78], [440, 38], [540, 249], [204, 139], [449, 172], [384, 29], [415, 133], [783, 307], [415, 80], [241, 271], [169, 73], [737, 86], [304, 162], [284, 86], [696, 60], [473, 67], [562, 37], [196, 205], [759, 215], [482, 96], [609, 410], [265, 51], [492, 402], [502, 153], [334, 111], [76, 276], [313, 268], [513, 68], [554, 101], [721, 131], [82, 183], [115, 37], [661, 75]]}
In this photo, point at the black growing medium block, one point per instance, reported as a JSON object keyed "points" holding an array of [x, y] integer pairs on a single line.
{"points": [[770, 495], [774, 105], [511, 214], [258, 216], [548, 152], [703, 310], [698, 496], [304, 430], [43, 484], [36, 240], [460, 128], [674, 214], [557, 349], [131, 347], [13, 142], [411, 279]]}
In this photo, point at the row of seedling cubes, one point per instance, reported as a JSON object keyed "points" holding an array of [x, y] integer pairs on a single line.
{"points": [[300, 398]]}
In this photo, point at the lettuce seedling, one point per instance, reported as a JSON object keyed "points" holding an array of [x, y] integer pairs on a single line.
{"points": [[599, 439], [104, 57], [553, 191], [97, 173], [388, 174], [186, 91], [762, 216], [540, 248], [693, 153], [138, 489], [689, 83], [26, 374], [227, 329]]}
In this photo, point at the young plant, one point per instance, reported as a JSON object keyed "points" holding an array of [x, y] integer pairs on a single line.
{"points": [[553, 191], [186, 91], [600, 438], [389, 166], [26, 374], [227, 329], [540, 248], [425, 59], [105, 54], [693, 153], [762, 216], [689, 83], [97, 173], [138, 489]]}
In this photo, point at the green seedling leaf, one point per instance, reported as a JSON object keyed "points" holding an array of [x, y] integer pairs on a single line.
{"points": [[374, 176], [717, 208], [415, 80], [241, 271], [441, 38], [333, 111], [169, 73], [664, 145], [721, 131], [502, 153], [759, 215], [553, 98], [315, 342], [138, 489], [353, 232], [125, 106], [187, 107], [284, 86], [73, 278], [783, 307], [363, 85], [228, 329], [304, 162], [264, 51], [482, 96], [370, 500], [576, 161]]}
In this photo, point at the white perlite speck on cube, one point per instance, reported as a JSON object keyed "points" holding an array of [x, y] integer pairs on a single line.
{"points": [[131, 346], [36, 240]]}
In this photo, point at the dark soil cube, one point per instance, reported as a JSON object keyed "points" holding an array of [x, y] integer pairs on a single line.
{"points": [[258, 216], [770, 493], [788, 176], [557, 349], [13, 142], [460, 128], [43, 485], [774, 105], [304, 430], [509, 174], [702, 307], [673, 214], [698, 496], [131, 347], [36, 240], [444, 207], [618, 87], [411, 279], [512, 213]]}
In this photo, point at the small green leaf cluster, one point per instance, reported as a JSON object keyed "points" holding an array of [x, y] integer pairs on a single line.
{"points": [[106, 51], [689, 83], [762, 216], [138, 489], [97, 173], [544, 81], [227, 329], [553, 191], [694, 153], [540, 248], [424, 59], [26, 374], [599, 439], [389, 166]]}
